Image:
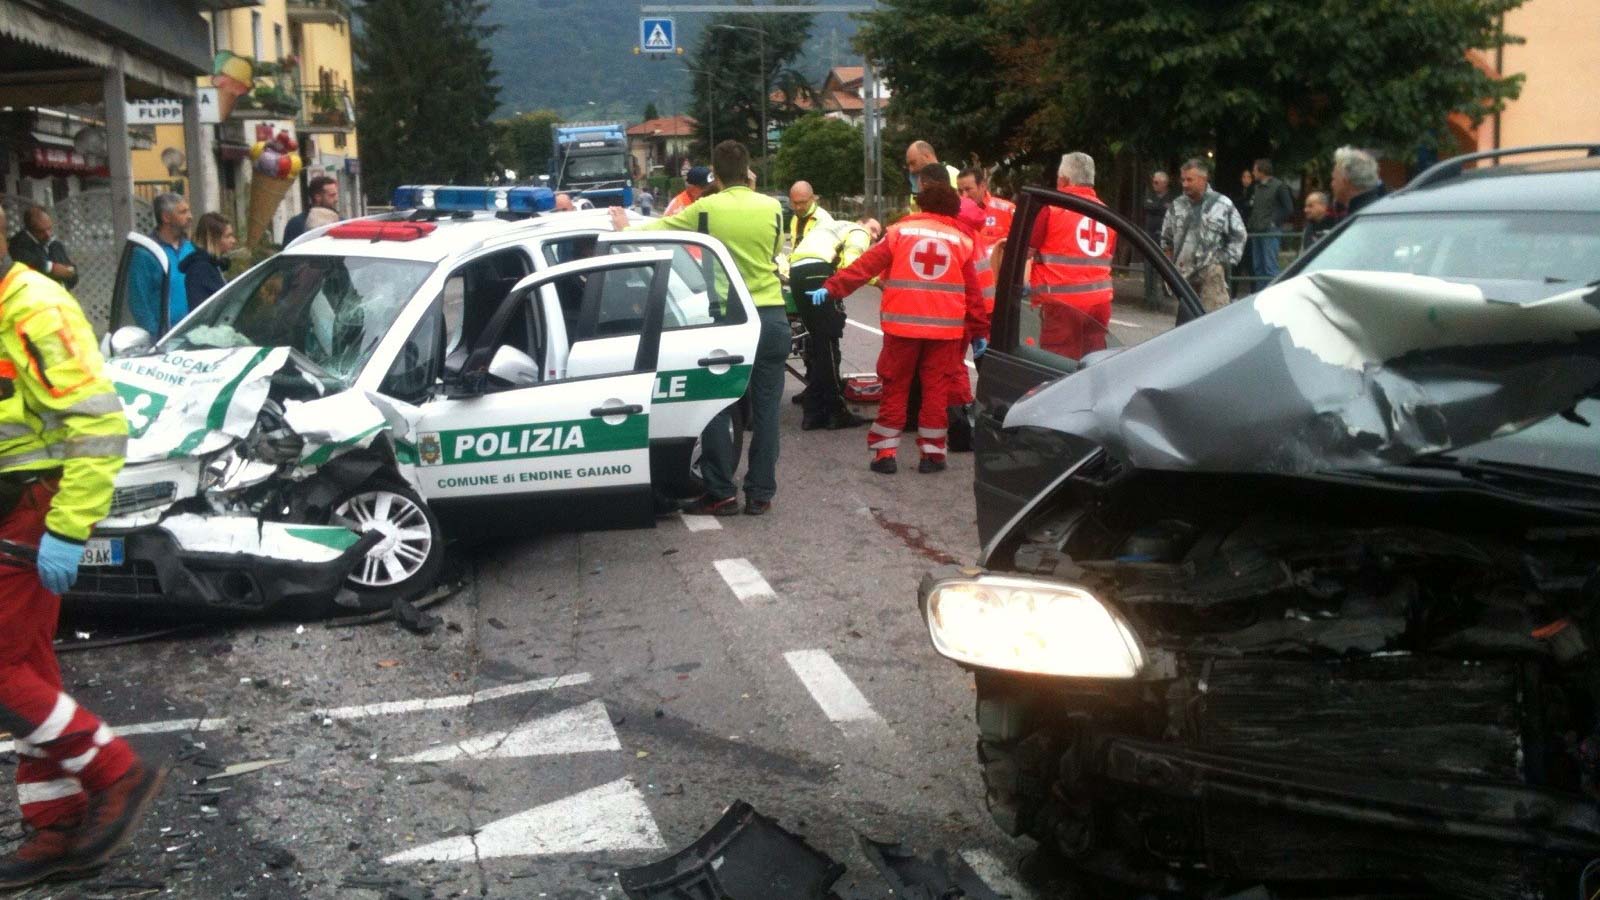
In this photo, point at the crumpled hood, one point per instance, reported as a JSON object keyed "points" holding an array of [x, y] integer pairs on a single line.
{"points": [[193, 402], [1333, 370]]}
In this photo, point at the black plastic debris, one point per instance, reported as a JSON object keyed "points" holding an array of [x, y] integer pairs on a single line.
{"points": [[944, 877], [745, 856]]}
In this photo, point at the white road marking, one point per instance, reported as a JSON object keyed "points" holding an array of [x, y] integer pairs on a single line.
{"points": [[701, 523], [875, 331], [833, 690], [610, 817], [1115, 321], [581, 729], [996, 874], [454, 701], [745, 580], [165, 727]]}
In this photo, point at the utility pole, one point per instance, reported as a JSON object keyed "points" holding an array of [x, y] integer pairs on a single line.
{"points": [[872, 187]]}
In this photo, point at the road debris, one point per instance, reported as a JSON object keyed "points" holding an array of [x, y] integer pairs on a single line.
{"points": [[745, 856], [244, 768]]}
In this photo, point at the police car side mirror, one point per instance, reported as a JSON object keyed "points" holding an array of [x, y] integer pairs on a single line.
{"points": [[513, 367], [126, 340]]}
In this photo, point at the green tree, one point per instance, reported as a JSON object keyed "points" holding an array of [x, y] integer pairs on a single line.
{"points": [[425, 88], [823, 151], [1164, 78], [523, 143], [650, 111], [726, 66]]}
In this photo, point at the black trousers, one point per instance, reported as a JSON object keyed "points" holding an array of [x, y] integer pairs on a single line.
{"points": [[824, 327]]}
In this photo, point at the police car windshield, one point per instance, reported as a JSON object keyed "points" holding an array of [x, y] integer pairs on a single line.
{"points": [[1553, 248], [333, 309]]}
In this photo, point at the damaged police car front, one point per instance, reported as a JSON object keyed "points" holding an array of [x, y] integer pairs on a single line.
{"points": [[1303, 597], [312, 435]]}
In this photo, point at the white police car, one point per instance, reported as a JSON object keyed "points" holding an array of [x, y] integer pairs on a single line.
{"points": [[474, 365]]}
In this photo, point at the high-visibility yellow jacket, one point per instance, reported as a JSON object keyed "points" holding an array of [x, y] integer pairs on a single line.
{"points": [[799, 228], [835, 241], [57, 408]]}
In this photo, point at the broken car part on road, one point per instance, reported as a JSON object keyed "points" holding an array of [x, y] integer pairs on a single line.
{"points": [[1318, 610]]}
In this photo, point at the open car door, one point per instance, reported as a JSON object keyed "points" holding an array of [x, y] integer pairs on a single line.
{"points": [[143, 280], [1042, 331], [708, 344], [503, 452]]}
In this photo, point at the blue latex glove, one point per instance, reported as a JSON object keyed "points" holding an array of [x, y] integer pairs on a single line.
{"points": [[818, 296], [979, 345], [58, 563]]}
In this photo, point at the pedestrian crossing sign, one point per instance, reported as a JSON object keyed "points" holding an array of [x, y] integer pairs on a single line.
{"points": [[657, 36]]}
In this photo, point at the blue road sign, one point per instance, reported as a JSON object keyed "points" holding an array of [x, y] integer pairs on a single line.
{"points": [[657, 36]]}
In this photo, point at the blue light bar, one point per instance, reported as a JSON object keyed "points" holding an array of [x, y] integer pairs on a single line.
{"points": [[452, 198]]}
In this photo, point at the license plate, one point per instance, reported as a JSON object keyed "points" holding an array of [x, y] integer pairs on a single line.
{"points": [[103, 552]]}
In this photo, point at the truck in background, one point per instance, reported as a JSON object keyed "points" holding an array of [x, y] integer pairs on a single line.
{"points": [[591, 161]]}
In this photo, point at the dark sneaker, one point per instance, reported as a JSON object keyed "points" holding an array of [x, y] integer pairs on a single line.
{"points": [[115, 812], [813, 424], [757, 507], [929, 464], [712, 506], [846, 420], [885, 465], [44, 853]]}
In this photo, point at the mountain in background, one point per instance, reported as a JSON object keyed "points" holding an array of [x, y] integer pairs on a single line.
{"points": [[576, 57]]}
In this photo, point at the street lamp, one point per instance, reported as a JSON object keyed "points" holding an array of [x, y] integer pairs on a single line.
{"points": [[761, 50]]}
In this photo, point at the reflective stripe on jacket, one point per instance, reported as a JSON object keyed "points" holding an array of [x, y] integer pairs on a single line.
{"points": [[57, 408], [925, 293], [1072, 262], [837, 242]]}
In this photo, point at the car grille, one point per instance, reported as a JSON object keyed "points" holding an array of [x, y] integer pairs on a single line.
{"points": [[144, 496], [133, 580]]}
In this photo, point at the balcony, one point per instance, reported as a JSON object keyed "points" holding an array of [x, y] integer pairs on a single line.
{"points": [[327, 111], [318, 12]]}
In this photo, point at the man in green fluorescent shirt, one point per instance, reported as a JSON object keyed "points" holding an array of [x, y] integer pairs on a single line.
{"points": [[750, 225]]}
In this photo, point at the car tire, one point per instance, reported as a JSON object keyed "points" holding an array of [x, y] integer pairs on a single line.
{"points": [[738, 423], [407, 563]]}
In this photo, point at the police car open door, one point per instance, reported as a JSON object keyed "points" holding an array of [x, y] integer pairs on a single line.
{"points": [[708, 343], [504, 452]]}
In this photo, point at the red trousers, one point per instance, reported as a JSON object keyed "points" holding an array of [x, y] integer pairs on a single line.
{"points": [[931, 362], [1072, 331], [62, 748]]}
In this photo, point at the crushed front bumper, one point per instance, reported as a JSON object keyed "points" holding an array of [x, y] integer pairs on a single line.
{"points": [[223, 563]]}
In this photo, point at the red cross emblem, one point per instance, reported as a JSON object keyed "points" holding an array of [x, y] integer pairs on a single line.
{"points": [[1092, 236], [929, 259]]}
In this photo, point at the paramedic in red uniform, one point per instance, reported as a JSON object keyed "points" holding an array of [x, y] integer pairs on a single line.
{"points": [[63, 437], [932, 306], [1070, 283]]}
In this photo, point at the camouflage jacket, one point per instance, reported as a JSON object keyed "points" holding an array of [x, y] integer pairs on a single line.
{"points": [[1198, 235]]}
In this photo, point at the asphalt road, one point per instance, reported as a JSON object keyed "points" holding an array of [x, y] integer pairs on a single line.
{"points": [[593, 701]]}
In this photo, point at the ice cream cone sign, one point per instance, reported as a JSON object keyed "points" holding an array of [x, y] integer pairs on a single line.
{"points": [[233, 76], [274, 162]]}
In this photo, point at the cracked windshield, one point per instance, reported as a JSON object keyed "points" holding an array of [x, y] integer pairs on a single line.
{"points": [[767, 450]]}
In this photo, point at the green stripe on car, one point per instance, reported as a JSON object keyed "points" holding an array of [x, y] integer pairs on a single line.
{"points": [[692, 385]]}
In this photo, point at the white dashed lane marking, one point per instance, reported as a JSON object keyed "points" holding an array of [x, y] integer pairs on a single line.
{"points": [[701, 523], [745, 581], [611, 817], [833, 690], [1126, 324], [995, 874], [453, 701], [581, 729]]}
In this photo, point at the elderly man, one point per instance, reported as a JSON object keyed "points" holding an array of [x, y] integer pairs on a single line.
{"points": [[36, 246], [1355, 180], [564, 203], [807, 212], [151, 311], [1070, 281], [1204, 235], [1156, 203]]}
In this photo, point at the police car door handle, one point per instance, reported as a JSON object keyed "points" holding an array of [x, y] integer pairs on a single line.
{"points": [[632, 409], [721, 361]]}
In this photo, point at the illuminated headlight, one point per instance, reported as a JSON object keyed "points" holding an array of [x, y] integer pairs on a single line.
{"points": [[1023, 625]]}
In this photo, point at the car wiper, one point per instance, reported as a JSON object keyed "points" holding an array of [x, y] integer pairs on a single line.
{"points": [[1511, 475], [1514, 483]]}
